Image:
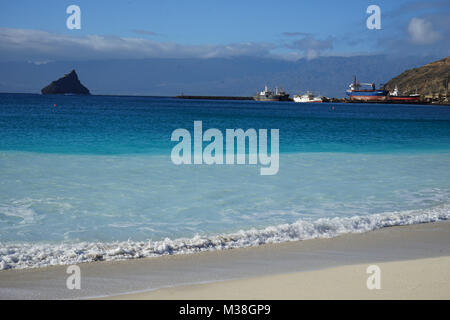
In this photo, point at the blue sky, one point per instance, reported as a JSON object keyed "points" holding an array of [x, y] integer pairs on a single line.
{"points": [[287, 29]]}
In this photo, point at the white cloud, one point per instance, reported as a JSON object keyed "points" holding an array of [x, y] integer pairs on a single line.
{"points": [[37, 45], [421, 31]]}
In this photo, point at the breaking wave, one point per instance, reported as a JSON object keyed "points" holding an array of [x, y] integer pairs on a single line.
{"points": [[32, 255]]}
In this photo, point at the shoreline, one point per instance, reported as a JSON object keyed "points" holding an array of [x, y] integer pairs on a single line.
{"points": [[236, 98], [115, 278], [39, 255]]}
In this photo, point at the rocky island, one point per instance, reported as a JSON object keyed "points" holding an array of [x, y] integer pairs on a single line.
{"points": [[68, 84]]}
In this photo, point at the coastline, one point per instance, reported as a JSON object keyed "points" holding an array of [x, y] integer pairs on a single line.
{"points": [[423, 247]]}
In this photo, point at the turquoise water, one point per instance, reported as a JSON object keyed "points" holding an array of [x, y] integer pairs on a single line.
{"points": [[93, 175], [136, 125]]}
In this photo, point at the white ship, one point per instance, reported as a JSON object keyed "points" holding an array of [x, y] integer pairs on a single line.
{"points": [[307, 98]]}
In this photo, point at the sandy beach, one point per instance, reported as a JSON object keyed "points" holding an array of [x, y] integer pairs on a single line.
{"points": [[414, 262], [411, 279]]}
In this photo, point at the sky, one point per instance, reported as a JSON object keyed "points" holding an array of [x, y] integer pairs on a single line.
{"points": [[36, 31]]}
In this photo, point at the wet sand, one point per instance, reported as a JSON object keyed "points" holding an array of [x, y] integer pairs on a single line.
{"points": [[407, 279]]}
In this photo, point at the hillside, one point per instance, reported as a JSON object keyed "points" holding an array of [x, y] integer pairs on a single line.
{"points": [[430, 79]]}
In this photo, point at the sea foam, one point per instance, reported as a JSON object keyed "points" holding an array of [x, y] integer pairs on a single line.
{"points": [[32, 255]]}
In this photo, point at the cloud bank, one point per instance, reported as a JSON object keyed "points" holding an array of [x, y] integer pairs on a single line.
{"points": [[420, 35], [37, 45]]}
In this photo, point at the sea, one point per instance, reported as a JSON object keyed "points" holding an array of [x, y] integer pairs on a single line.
{"points": [[90, 178]]}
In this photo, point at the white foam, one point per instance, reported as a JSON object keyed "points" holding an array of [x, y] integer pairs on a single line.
{"points": [[21, 210], [31, 255]]}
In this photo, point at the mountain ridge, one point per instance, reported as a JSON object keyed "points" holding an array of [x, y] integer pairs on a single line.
{"points": [[242, 76]]}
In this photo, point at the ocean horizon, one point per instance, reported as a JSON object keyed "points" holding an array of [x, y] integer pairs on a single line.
{"points": [[90, 178]]}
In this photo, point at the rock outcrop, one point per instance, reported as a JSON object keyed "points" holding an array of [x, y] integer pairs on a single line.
{"points": [[430, 79], [67, 84]]}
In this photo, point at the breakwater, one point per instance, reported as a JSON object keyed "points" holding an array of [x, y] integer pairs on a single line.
{"points": [[214, 97]]}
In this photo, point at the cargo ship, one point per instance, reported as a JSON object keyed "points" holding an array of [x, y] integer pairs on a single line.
{"points": [[356, 93], [395, 96], [269, 95]]}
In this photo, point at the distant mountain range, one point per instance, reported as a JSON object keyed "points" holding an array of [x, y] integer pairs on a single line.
{"points": [[241, 76], [432, 78]]}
